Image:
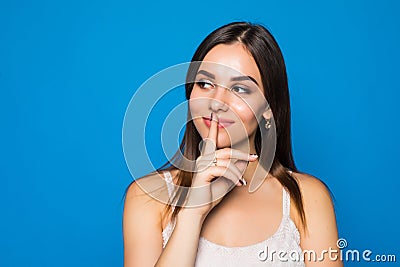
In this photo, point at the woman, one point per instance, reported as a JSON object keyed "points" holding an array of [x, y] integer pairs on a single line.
{"points": [[220, 223]]}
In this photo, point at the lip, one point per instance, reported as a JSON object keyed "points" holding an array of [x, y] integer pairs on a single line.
{"points": [[222, 123]]}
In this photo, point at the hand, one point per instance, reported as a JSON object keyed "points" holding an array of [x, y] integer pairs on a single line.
{"points": [[216, 173]]}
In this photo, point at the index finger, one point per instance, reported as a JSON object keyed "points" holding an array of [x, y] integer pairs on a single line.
{"points": [[210, 142]]}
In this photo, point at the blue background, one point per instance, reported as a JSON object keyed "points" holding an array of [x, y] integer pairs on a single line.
{"points": [[69, 68]]}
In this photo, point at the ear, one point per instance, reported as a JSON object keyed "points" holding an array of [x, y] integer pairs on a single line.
{"points": [[267, 114]]}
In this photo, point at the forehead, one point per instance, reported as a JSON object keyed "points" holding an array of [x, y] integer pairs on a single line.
{"points": [[234, 57]]}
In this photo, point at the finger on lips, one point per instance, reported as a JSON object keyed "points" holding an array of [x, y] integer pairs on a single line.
{"points": [[213, 133], [223, 156], [210, 142]]}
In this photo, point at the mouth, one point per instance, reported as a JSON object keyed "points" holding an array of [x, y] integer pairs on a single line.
{"points": [[222, 123]]}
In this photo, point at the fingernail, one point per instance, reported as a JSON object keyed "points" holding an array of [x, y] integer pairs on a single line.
{"points": [[253, 156]]}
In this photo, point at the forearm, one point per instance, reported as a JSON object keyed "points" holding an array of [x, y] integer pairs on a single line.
{"points": [[181, 249]]}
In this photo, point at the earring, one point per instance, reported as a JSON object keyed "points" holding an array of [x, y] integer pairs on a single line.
{"points": [[268, 124]]}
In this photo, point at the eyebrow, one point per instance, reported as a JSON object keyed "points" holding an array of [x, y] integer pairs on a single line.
{"points": [[244, 78], [238, 78]]}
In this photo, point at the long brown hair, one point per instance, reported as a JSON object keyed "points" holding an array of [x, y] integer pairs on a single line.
{"points": [[268, 56]]}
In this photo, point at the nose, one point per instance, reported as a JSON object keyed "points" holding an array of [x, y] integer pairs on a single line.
{"points": [[219, 99]]}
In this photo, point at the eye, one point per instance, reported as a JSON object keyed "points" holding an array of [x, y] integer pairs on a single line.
{"points": [[205, 84], [240, 89]]}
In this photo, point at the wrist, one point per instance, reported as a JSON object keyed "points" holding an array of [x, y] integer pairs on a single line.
{"points": [[191, 217]]}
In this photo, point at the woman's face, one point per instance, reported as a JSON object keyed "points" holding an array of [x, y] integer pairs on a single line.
{"points": [[228, 83]]}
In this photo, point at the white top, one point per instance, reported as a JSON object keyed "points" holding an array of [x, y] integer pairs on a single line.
{"points": [[280, 249]]}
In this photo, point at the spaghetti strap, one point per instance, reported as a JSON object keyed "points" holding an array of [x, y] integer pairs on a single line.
{"points": [[167, 176], [169, 182], [285, 202], [286, 199], [167, 231]]}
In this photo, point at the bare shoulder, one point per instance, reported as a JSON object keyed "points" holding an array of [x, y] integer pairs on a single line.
{"points": [[149, 190], [315, 195], [150, 194], [312, 188], [318, 206], [142, 220], [321, 231]]}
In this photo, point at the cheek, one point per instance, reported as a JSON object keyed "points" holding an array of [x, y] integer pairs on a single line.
{"points": [[194, 103], [247, 115], [197, 104], [198, 109]]}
